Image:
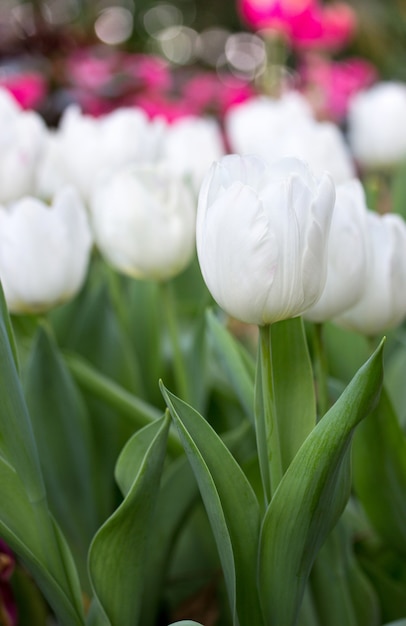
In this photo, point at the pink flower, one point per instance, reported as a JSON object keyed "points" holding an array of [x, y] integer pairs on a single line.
{"points": [[28, 88], [147, 71], [213, 93], [8, 609], [329, 85], [91, 69], [162, 105], [305, 23]]}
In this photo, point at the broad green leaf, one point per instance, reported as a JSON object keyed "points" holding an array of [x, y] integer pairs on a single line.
{"points": [[231, 506], [294, 387], [64, 439], [311, 497], [7, 327], [90, 327], [342, 593], [17, 444], [118, 551], [176, 497], [237, 364], [379, 462], [29, 530]]}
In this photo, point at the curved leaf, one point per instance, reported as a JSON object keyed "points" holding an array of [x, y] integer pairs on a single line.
{"points": [[30, 531], [379, 462], [64, 440], [231, 505], [311, 497], [117, 553]]}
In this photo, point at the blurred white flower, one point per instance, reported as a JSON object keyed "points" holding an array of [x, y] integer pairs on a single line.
{"points": [[347, 254], [377, 125], [44, 251], [22, 139], [190, 145], [144, 221], [382, 304], [82, 148], [285, 127], [261, 236]]}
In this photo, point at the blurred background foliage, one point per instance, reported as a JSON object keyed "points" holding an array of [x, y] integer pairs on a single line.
{"points": [[174, 28]]}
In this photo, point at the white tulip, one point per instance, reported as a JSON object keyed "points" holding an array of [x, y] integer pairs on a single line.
{"points": [[382, 304], [189, 147], [262, 235], [144, 222], [44, 251], [22, 138], [347, 254], [377, 125], [83, 148], [252, 124], [279, 128]]}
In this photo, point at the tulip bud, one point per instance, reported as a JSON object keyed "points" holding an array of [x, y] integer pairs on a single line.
{"points": [[144, 222], [22, 138], [279, 128], [377, 125], [347, 254], [262, 234], [382, 304], [204, 134], [44, 251]]}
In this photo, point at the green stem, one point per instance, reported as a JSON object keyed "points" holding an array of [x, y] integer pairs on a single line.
{"points": [[320, 370], [179, 366], [267, 431]]}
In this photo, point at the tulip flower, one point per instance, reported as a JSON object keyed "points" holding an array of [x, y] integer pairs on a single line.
{"points": [[121, 137], [144, 221], [377, 125], [382, 304], [204, 133], [347, 254], [278, 128], [22, 138], [261, 236], [44, 251]]}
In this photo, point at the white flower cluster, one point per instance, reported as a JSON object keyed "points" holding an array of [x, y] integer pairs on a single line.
{"points": [[271, 240], [274, 241], [121, 182], [276, 236]]}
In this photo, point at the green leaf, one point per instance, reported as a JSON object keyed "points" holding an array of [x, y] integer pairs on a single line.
{"points": [[342, 593], [238, 365], [231, 506], [311, 497], [30, 531], [17, 444], [185, 622], [64, 440], [176, 497], [292, 371], [379, 462], [136, 411], [118, 551]]}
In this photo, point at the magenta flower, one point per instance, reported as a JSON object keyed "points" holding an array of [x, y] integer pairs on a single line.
{"points": [[330, 85], [28, 88], [8, 608], [305, 24]]}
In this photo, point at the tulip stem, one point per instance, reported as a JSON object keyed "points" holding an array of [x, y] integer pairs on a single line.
{"points": [[267, 432], [174, 335], [320, 370]]}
